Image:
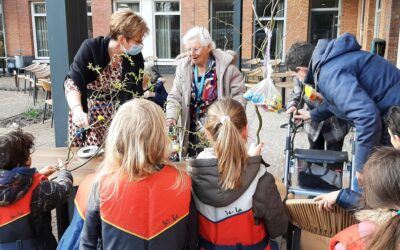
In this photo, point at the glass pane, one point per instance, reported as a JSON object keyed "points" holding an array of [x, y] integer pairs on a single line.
{"points": [[168, 36], [41, 36], [222, 23], [133, 6], [264, 8], [325, 3], [378, 4], [323, 26], [167, 6], [89, 7], [40, 8], [276, 41]]}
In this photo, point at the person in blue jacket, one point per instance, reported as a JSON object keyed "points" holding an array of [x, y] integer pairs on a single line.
{"points": [[356, 85]]}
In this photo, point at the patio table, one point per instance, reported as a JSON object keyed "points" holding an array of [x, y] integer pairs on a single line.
{"points": [[48, 156]]}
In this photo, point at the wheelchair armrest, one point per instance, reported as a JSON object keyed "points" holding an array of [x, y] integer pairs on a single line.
{"points": [[321, 156]]}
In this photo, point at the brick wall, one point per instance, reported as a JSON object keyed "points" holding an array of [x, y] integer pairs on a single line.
{"points": [[247, 29], [101, 12], [187, 16], [391, 29], [18, 26], [369, 23], [349, 17], [297, 16]]}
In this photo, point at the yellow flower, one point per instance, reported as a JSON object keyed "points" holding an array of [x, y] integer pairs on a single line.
{"points": [[117, 85], [100, 118]]}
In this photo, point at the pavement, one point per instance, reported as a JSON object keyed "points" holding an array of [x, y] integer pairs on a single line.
{"points": [[15, 102]]}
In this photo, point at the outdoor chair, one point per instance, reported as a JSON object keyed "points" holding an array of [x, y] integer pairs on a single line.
{"points": [[46, 85], [21, 73], [252, 64], [253, 77], [282, 80], [152, 59], [40, 73], [305, 215]]}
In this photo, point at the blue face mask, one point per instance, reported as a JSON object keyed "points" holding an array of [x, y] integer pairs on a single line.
{"points": [[134, 50]]}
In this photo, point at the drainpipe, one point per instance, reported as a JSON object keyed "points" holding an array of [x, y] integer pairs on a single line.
{"points": [[361, 37]]}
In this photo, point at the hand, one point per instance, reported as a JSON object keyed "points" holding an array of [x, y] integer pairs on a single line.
{"points": [[255, 150], [148, 94], [291, 110], [79, 118], [360, 178], [48, 170], [302, 115], [171, 122], [326, 201]]}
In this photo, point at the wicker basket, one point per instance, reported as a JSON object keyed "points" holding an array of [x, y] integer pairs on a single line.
{"points": [[304, 213]]}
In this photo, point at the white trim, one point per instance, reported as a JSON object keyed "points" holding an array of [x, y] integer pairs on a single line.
{"points": [[398, 51], [165, 61], [339, 15], [325, 9], [33, 14], [377, 11], [114, 2]]}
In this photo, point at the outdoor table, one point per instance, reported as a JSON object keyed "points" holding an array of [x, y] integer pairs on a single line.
{"points": [[48, 156]]}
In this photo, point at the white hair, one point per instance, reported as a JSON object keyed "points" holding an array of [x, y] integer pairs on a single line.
{"points": [[201, 34]]}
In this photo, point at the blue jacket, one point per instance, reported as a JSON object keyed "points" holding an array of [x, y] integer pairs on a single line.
{"points": [[357, 86]]}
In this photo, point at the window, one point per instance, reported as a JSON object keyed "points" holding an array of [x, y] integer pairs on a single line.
{"points": [[133, 5], [265, 9], [89, 19], [167, 28], [222, 28], [377, 18], [324, 20], [39, 22], [2, 40]]}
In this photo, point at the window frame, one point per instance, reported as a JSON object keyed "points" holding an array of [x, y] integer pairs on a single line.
{"points": [[89, 14], [378, 17], [114, 2], [175, 13], [266, 19], [34, 28], [3, 28]]}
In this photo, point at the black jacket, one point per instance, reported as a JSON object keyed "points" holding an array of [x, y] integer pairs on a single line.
{"points": [[95, 51]]}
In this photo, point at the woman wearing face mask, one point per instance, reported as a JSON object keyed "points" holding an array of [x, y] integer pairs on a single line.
{"points": [[87, 94]]}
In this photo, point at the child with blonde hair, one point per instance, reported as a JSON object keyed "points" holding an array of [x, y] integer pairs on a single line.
{"points": [[380, 221], [139, 200], [237, 200]]}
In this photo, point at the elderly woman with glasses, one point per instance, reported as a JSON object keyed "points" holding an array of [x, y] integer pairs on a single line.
{"points": [[203, 75]]}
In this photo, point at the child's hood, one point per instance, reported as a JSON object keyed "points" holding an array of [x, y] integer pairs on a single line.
{"points": [[205, 181], [14, 184]]}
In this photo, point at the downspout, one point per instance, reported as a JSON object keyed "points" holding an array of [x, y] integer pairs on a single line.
{"points": [[361, 36]]}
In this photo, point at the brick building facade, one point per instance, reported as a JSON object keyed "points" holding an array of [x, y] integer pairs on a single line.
{"points": [[24, 27]]}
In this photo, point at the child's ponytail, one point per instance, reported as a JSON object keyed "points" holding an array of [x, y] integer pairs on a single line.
{"points": [[226, 120], [388, 235]]}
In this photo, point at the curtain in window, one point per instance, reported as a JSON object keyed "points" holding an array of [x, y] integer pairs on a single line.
{"points": [[163, 34], [41, 36], [167, 36]]}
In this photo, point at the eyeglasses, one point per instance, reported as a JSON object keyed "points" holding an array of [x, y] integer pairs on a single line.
{"points": [[194, 50]]}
